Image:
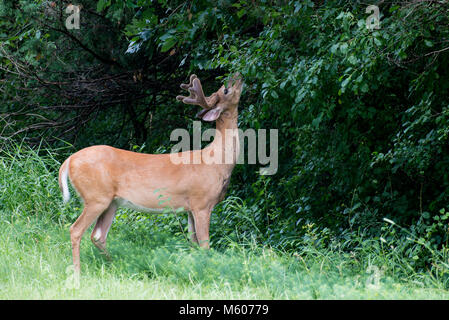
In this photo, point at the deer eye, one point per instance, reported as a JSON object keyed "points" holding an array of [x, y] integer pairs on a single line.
{"points": [[226, 91]]}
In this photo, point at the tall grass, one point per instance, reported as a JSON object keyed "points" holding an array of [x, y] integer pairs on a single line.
{"points": [[153, 260]]}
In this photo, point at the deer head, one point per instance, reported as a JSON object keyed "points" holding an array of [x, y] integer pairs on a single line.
{"points": [[225, 100]]}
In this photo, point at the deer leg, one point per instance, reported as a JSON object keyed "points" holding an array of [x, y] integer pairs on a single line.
{"points": [[101, 229], [91, 212], [202, 221], [191, 228]]}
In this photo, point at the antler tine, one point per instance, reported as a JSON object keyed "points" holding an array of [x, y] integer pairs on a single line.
{"points": [[196, 94], [186, 86]]}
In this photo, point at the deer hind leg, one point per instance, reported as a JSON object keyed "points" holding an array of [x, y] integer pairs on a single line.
{"points": [[91, 211], [101, 229], [191, 228], [202, 222]]}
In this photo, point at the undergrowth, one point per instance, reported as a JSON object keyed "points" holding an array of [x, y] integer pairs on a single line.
{"points": [[152, 259]]}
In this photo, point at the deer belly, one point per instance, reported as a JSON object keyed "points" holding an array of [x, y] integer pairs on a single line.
{"points": [[123, 203]]}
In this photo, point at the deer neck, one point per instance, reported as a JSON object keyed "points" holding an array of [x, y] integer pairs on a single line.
{"points": [[226, 141]]}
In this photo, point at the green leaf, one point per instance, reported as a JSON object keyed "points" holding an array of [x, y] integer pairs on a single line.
{"points": [[102, 4], [364, 88], [168, 44], [428, 43], [345, 82], [344, 48], [334, 48], [241, 12]]}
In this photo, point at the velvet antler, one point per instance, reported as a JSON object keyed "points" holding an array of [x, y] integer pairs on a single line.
{"points": [[196, 96]]}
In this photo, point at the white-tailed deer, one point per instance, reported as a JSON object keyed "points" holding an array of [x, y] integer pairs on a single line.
{"points": [[107, 178]]}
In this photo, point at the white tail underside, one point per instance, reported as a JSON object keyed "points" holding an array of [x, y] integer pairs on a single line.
{"points": [[64, 179]]}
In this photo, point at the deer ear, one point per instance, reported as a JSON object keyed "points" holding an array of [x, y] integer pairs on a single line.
{"points": [[211, 115], [202, 113]]}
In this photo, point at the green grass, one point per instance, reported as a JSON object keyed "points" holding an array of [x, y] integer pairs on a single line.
{"points": [[151, 261], [35, 260]]}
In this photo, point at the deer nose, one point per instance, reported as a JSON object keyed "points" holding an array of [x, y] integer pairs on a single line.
{"points": [[237, 79]]}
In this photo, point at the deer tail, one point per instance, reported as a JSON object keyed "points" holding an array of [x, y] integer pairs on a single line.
{"points": [[63, 178]]}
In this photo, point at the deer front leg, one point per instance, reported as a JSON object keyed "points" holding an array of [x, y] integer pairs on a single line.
{"points": [[202, 222], [191, 228]]}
